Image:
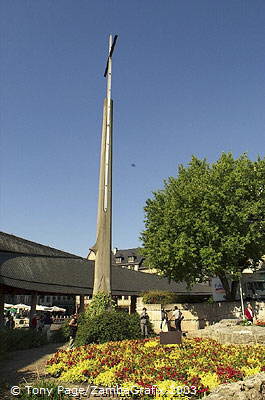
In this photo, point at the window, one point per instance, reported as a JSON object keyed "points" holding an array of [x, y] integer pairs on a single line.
{"points": [[249, 285], [118, 260], [131, 259], [259, 285]]}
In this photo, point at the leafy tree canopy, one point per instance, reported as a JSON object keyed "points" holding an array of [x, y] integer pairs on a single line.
{"points": [[209, 220]]}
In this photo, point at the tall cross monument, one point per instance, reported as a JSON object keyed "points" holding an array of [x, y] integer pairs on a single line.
{"points": [[102, 247]]}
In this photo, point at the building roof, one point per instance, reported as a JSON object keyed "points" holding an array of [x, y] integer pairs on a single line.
{"points": [[124, 254], [15, 244], [30, 266]]}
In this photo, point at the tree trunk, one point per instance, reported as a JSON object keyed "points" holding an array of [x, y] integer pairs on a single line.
{"points": [[230, 293], [234, 287]]}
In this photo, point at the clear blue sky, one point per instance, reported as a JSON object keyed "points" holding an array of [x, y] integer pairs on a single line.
{"points": [[188, 78]]}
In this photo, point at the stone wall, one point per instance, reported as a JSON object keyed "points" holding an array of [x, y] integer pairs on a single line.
{"points": [[252, 388], [226, 331], [199, 315]]}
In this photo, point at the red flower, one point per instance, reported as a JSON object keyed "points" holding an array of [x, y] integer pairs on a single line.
{"points": [[226, 373]]}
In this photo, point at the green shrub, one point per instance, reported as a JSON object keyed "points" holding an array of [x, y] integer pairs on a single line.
{"points": [[163, 298], [210, 300], [246, 322], [100, 302], [20, 339], [159, 297], [62, 334], [102, 323], [108, 326]]}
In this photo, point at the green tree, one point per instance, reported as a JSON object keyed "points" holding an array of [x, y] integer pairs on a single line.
{"points": [[209, 220]]}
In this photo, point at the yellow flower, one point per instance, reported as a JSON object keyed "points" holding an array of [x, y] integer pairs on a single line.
{"points": [[179, 397], [247, 371], [210, 380], [75, 374], [193, 372], [159, 364], [151, 343], [106, 378], [253, 362], [128, 387], [168, 389], [202, 361], [55, 368]]}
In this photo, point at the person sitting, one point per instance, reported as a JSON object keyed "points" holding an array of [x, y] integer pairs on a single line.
{"points": [[249, 313]]}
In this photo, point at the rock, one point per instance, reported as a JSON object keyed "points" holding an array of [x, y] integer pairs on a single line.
{"points": [[240, 396], [227, 322], [254, 395], [218, 397], [252, 388], [227, 331]]}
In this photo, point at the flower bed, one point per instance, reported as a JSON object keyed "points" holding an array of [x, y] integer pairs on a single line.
{"points": [[260, 323], [148, 368]]}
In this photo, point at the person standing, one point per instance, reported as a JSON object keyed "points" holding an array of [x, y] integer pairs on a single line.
{"points": [[143, 321], [177, 314], [47, 321], [10, 324], [73, 325], [164, 321], [249, 313], [41, 323], [33, 322]]}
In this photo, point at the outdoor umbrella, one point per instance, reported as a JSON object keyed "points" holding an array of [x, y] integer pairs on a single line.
{"points": [[55, 308], [42, 308], [9, 305], [22, 306]]}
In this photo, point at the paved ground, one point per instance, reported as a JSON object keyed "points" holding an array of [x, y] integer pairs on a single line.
{"points": [[25, 365], [28, 365]]}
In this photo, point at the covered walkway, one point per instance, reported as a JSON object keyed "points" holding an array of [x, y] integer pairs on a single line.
{"points": [[31, 268]]}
